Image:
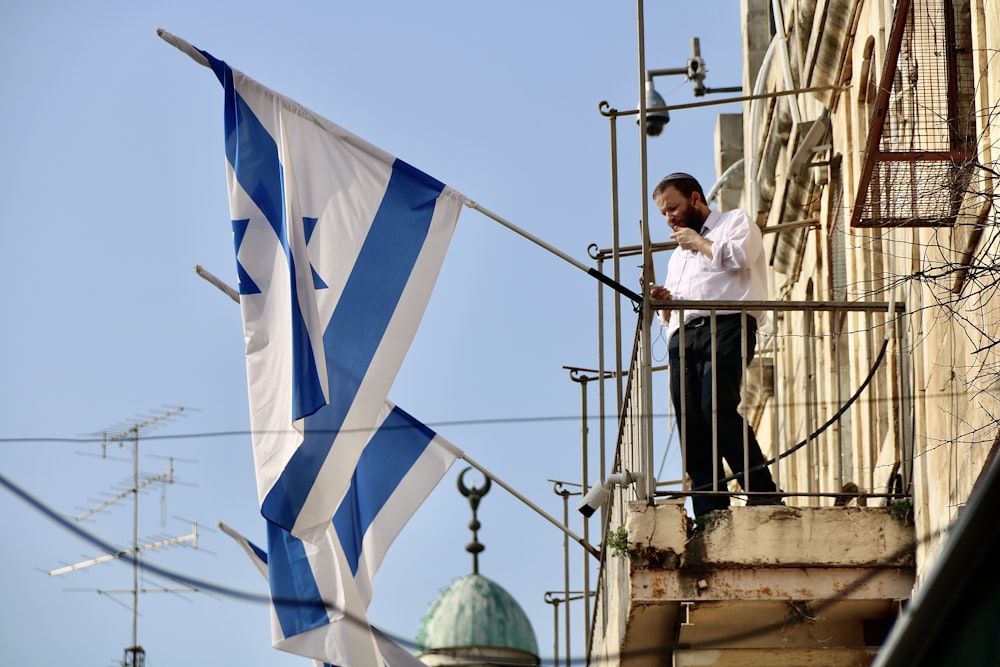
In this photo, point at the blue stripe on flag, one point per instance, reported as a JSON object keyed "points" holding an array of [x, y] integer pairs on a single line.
{"points": [[298, 604], [254, 156], [387, 459], [355, 330], [260, 553]]}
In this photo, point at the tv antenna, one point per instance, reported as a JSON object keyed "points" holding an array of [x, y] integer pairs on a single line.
{"points": [[135, 655]]}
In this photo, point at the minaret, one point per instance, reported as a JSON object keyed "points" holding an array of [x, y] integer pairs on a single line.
{"points": [[474, 494], [475, 622]]}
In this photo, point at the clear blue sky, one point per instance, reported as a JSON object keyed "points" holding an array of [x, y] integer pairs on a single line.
{"points": [[113, 186]]}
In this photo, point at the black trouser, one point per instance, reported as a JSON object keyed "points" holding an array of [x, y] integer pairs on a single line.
{"points": [[698, 420]]}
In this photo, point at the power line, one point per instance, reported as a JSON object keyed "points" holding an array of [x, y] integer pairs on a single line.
{"points": [[257, 598]]}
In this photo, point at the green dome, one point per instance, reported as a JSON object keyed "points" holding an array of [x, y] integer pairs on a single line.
{"points": [[475, 612]]}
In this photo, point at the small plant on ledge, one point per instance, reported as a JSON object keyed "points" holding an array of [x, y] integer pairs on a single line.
{"points": [[617, 541], [902, 511]]}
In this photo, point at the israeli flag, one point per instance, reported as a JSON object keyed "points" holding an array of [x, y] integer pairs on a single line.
{"points": [[338, 246], [303, 573], [401, 463], [320, 590]]}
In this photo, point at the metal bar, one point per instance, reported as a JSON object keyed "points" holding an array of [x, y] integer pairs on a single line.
{"points": [[632, 250], [744, 350], [645, 369], [601, 437], [925, 156], [610, 282], [724, 89], [679, 305], [682, 388], [715, 397], [952, 73], [122, 495], [193, 537], [796, 494], [812, 479], [776, 398], [666, 71], [565, 499], [548, 517], [616, 270], [128, 433], [606, 110], [872, 440], [135, 541], [584, 445], [215, 280], [872, 153]]}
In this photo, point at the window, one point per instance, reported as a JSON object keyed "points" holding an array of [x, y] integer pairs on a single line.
{"points": [[920, 150]]}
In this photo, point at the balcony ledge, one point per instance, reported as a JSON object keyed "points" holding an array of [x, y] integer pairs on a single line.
{"points": [[772, 580]]}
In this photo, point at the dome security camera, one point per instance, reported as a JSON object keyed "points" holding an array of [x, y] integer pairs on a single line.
{"points": [[655, 120], [655, 123]]}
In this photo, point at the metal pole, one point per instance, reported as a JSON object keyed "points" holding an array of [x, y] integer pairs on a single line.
{"points": [[555, 632], [565, 497], [610, 282], [744, 351], [646, 370], [809, 393], [606, 110], [135, 539], [586, 524], [616, 271]]}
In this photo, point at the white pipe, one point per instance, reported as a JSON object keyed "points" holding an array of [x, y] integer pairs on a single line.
{"points": [[726, 175], [786, 64], [751, 165]]}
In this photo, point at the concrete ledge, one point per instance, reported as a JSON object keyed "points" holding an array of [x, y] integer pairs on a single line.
{"points": [[803, 536], [771, 584], [657, 534], [768, 536], [814, 657]]}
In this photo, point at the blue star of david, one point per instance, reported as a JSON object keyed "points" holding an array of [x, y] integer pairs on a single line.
{"points": [[246, 283]]}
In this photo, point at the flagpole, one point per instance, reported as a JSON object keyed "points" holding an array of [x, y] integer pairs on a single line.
{"points": [[610, 282], [582, 542], [196, 55], [215, 280], [591, 549], [183, 46]]}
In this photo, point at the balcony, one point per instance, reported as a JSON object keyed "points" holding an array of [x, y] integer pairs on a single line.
{"points": [[818, 581]]}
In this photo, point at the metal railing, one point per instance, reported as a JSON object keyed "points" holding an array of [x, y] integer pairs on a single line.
{"points": [[817, 367], [828, 392]]}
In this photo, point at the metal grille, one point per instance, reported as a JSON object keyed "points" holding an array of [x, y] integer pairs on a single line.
{"points": [[919, 153]]}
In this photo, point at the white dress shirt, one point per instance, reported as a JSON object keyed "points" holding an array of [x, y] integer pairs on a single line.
{"points": [[736, 272]]}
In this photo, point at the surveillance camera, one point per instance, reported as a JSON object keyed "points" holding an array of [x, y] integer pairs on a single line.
{"points": [[655, 120], [594, 499], [655, 124]]}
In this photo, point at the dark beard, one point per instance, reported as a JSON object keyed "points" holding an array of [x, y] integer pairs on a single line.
{"points": [[693, 219]]}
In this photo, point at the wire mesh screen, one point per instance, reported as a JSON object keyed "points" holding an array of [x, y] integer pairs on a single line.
{"points": [[918, 160], [927, 192]]}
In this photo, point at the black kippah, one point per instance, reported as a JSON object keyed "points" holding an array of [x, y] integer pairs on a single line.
{"points": [[680, 176]]}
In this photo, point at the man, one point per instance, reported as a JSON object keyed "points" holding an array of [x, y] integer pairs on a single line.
{"points": [[720, 257]]}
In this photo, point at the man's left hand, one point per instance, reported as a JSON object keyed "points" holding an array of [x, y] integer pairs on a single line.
{"points": [[688, 239]]}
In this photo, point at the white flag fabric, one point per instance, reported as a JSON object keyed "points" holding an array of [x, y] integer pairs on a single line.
{"points": [[320, 590], [338, 247], [312, 613]]}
